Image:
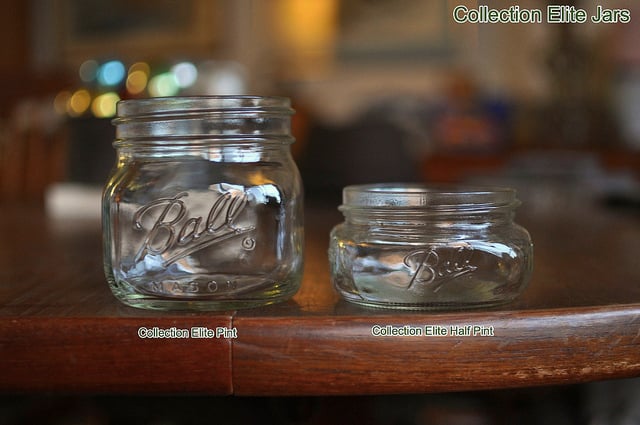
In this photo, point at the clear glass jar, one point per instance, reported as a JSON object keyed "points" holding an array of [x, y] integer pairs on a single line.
{"points": [[415, 247], [203, 209]]}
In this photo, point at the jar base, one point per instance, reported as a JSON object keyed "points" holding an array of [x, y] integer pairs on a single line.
{"points": [[132, 296], [434, 306]]}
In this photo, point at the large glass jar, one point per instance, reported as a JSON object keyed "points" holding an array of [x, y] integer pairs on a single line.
{"points": [[203, 209], [415, 247]]}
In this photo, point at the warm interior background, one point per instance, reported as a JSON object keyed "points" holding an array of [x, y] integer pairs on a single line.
{"points": [[385, 91]]}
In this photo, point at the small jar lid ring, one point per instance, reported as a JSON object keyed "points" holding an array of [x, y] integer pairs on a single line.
{"points": [[390, 196]]}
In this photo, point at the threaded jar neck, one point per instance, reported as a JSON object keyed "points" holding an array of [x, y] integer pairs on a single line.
{"points": [[200, 120], [420, 205]]}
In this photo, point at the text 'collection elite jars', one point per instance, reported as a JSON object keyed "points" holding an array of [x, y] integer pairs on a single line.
{"points": [[203, 209], [414, 247]]}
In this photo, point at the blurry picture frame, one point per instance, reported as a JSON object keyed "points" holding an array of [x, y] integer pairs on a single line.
{"points": [[129, 29], [420, 30]]}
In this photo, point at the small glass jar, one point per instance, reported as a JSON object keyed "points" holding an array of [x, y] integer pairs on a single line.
{"points": [[203, 210], [414, 247]]}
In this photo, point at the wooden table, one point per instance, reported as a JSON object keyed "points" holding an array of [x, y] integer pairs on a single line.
{"points": [[62, 330]]}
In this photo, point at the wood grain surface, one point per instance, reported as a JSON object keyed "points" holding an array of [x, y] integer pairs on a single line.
{"points": [[62, 330]]}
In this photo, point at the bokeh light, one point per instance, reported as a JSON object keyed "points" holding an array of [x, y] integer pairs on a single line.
{"points": [[111, 73], [165, 84], [61, 102], [140, 66], [104, 106], [104, 82], [138, 77], [221, 78], [185, 73], [137, 82], [88, 71], [79, 103]]}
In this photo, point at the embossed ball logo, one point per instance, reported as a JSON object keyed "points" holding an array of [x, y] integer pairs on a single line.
{"points": [[429, 267], [174, 235]]}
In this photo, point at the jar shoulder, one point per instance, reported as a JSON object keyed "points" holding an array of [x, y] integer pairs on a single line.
{"points": [[509, 235]]}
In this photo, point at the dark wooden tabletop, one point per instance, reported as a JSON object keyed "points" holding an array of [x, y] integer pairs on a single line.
{"points": [[62, 330]]}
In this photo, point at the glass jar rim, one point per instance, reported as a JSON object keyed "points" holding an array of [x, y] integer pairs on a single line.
{"points": [[392, 196], [177, 105], [201, 120]]}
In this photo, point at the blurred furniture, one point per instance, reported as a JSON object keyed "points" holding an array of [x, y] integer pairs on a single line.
{"points": [[62, 330], [33, 153], [444, 167], [33, 139]]}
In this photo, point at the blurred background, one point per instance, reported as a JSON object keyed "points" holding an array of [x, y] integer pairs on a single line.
{"points": [[385, 90], [389, 90]]}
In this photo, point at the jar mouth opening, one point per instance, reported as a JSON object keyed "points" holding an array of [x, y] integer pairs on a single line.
{"points": [[179, 105], [390, 196]]}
